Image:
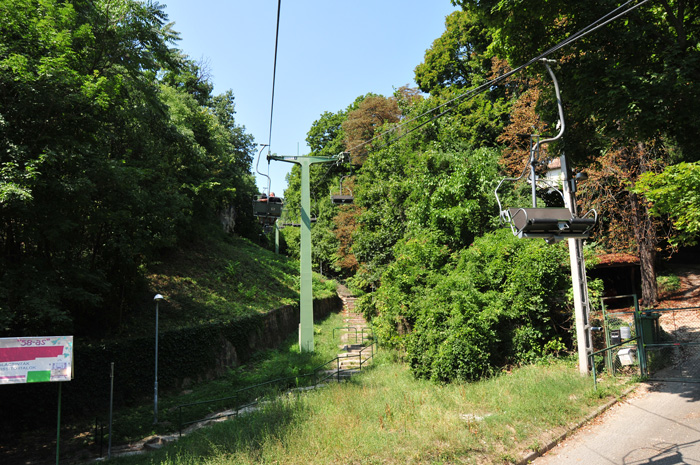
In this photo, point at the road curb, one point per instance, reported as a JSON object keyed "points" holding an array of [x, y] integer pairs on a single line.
{"points": [[552, 444]]}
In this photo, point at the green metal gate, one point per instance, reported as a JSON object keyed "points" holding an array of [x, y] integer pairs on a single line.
{"points": [[618, 340]]}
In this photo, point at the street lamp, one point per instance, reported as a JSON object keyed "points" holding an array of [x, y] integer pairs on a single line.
{"points": [[157, 298]]}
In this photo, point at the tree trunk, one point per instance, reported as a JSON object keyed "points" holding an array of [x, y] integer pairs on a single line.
{"points": [[645, 236]]}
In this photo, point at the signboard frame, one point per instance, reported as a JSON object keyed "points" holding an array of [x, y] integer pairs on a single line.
{"points": [[36, 359]]}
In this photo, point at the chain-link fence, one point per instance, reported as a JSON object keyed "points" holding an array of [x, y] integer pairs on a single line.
{"points": [[671, 339], [663, 343]]}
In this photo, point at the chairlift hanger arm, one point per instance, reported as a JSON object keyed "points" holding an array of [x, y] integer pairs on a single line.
{"points": [[536, 147], [560, 107], [269, 180]]}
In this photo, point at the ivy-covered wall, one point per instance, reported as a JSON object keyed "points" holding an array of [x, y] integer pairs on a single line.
{"points": [[184, 356]]}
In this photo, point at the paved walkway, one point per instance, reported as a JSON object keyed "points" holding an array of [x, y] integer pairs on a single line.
{"points": [[659, 425]]}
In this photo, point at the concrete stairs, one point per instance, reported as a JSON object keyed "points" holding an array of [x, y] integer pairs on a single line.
{"points": [[355, 335]]}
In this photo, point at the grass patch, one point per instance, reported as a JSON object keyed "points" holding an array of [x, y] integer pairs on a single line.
{"points": [[210, 281], [386, 416], [217, 281], [668, 283], [286, 363]]}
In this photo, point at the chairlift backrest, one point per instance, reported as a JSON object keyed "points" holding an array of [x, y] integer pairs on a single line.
{"points": [[551, 224], [264, 206]]}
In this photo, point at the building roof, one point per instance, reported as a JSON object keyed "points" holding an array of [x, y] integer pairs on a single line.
{"points": [[617, 259]]}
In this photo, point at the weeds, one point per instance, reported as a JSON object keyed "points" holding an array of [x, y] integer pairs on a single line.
{"points": [[384, 415]]}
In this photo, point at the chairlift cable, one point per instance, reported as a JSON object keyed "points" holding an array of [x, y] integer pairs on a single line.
{"points": [[272, 105], [274, 73], [481, 88]]}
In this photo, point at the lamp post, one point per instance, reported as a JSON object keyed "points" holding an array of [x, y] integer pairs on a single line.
{"points": [[157, 298]]}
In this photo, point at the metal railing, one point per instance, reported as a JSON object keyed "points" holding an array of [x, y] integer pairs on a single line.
{"points": [[338, 371], [275, 387], [607, 353], [363, 336]]}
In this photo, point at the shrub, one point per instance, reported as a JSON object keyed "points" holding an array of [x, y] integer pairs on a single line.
{"points": [[464, 315]]}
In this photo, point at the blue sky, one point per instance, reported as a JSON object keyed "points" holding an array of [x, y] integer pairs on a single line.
{"points": [[329, 53]]}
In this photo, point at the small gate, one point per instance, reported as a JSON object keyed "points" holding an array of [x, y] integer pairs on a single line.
{"points": [[616, 338]]}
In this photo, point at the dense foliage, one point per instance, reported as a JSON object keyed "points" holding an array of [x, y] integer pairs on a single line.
{"points": [[676, 192], [460, 299], [628, 90], [112, 148], [500, 304]]}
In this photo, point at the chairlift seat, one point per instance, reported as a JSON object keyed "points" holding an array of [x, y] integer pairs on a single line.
{"points": [[342, 199], [582, 224], [552, 224]]}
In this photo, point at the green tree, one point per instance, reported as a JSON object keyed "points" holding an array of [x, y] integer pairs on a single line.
{"points": [[630, 84], [457, 62], [404, 192], [459, 58], [101, 165], [675, 192], [637, 76]]}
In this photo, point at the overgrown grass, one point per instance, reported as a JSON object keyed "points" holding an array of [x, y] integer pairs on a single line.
{"points": [[386, 416], [286, 363], [217, 281], [214, 280]]}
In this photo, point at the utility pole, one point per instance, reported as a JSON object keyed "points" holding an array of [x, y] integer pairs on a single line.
{"points": [[578, 266], [566, 224], [578, 276]]}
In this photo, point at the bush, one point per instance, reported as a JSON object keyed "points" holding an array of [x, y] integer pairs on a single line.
{"points": [[467, 314]]}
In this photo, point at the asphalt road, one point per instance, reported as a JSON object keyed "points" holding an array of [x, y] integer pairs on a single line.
{"points": [[657, 425]]}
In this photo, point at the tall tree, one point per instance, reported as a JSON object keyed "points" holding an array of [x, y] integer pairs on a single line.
{"points": [[459, 57], [638, 75], [364, 123], [631, 83], [101, 165], [459, 60]]}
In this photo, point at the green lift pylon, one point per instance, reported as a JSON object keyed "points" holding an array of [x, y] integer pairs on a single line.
{"points": [[306, 303]]}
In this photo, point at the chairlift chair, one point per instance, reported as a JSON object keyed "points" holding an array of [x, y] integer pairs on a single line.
{"points": [[267, 209], [550, 223], [340, 198]]}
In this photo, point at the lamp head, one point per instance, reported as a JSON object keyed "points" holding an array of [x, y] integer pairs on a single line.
{"points": [[158, 297]]}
